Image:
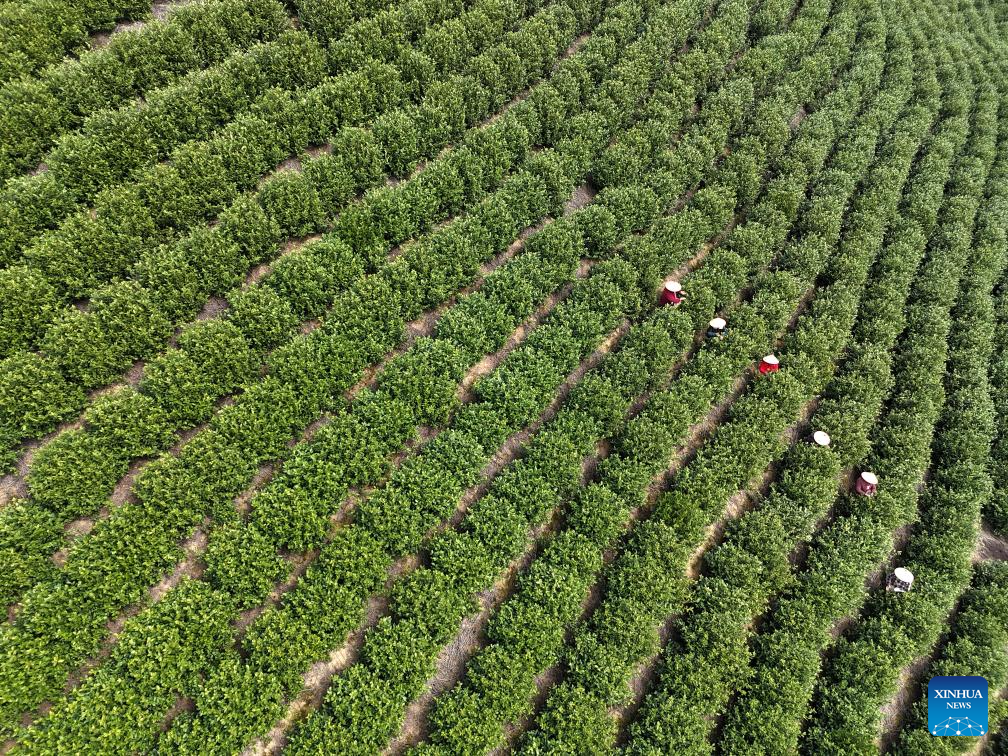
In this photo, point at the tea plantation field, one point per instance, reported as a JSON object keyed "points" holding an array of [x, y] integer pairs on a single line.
{"points": [[450, 377]]}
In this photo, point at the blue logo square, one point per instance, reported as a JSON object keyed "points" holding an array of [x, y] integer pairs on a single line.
{"points": [[957, 706]]}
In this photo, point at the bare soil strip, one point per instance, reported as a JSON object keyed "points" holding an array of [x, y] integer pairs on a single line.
{"points": [[301, 562], [454, 657], [190, 567], [159, 12], [12, 485], [416, 729], [317, 680], [699, 433], [508, 452], [990, 547], [895, 712]]}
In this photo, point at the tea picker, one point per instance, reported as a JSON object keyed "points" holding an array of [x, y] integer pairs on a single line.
{"points": [[821, 439], [716, 328], [900, 580], [672, 293], [769, 364], [867, 484]]}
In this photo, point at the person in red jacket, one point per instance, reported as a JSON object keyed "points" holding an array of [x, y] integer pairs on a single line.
{"points": [[769, 364], [867, 484], [672, 293]]}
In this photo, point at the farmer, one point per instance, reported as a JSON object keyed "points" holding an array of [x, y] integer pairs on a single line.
{"points": [[867, 484], [673, 294], [769, 364]]}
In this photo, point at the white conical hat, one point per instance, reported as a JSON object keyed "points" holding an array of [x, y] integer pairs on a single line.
{"points": [[904, 575], [771, 359], [673, 286], [718, 323], [870, 478], [821, 437]]}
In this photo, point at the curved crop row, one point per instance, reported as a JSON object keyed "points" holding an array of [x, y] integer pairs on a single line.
{"points": [[110, 163], [288, 101], [35, 33], [397, 500], [446, 452], [982, 17], [979, 629], [173, 281], [997, 508], [113, 157], [268, 311], [454, 377], [486, 725], [241, 563], [996, 513], [395, 519], [621, 632], [705, 664], [526, 636], [470, 719], [364, 707], [786, 652], [74, 474], [34, 112], [897, 628], [676, 715], [175, 493]]}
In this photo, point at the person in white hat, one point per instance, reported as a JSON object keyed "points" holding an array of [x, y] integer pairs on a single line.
{"points": [[716, 328], [769, 364], [821, 438], [672, 293], [867, 483], [901, 580]]}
